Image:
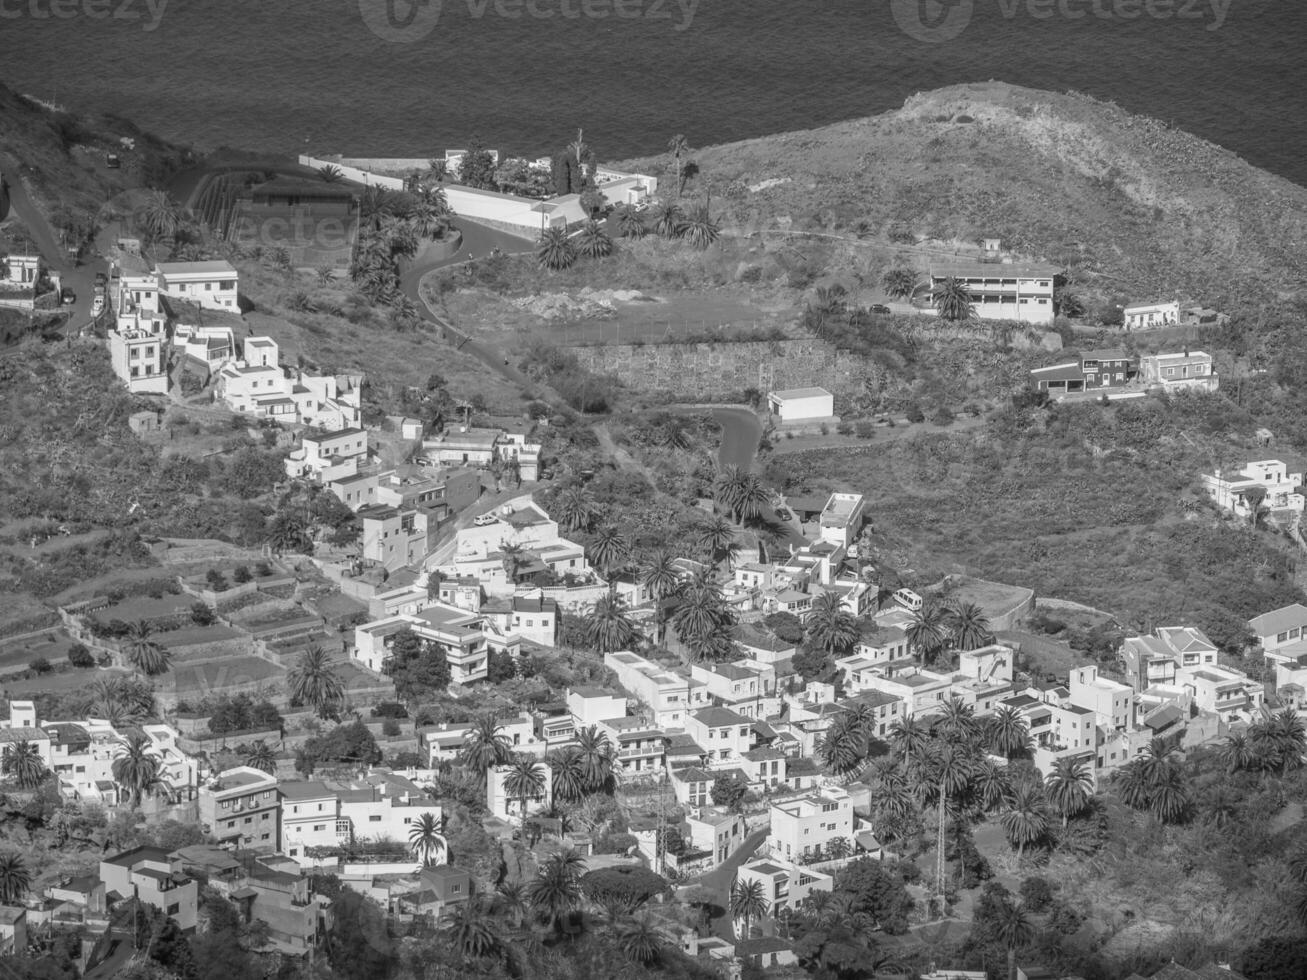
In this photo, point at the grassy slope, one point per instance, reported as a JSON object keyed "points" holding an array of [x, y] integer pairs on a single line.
{"points": [[1139, 208]]}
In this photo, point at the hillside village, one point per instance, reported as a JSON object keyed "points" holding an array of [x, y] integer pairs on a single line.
{"points": [[449, 711]]}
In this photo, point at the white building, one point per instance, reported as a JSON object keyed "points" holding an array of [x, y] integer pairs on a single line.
{"points": [[136, 351], [842, 518], [1282, 629], [212, 284], [1188, 369], [724, 735], [801, 404], [1002, 291], [1111, 701], [670, 696], [309, 814], [805, 826], [257, 385], [328, 456], [1263, 483], [507, 806], [212, 345], [465, 638], [1147, 315]]}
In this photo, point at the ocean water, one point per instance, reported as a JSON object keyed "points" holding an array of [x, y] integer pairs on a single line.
{"points": [[357, 77]]}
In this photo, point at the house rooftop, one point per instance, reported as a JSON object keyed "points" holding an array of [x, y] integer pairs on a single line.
{"points": [[313, 790], [795, 393], [1279, 620], [719, 717], [993, 270], [211, 267]]}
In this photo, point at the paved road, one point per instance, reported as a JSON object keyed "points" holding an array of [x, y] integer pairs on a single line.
{"points": [[80, 277], [741, 434], [719, 880]]}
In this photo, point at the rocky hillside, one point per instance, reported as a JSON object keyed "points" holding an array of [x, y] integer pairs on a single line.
{"points": [[1132, 206]]}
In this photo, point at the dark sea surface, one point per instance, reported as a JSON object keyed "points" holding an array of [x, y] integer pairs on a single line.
{"points": [[296, 75]]}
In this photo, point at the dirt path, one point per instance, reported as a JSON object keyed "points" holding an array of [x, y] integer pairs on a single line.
{"points": [[901, 429]]}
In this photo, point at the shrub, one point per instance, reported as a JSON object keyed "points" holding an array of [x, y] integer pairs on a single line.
{"points": [[263, 569], [241, 574], [80, 656], [390, 728], [845, 428], [389, 709], [202, 615], [216, 580], [40, 666], [942, 416], [1036, 893], [914, 413], [864, 430]]}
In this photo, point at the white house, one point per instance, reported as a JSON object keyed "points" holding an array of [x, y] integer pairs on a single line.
{"points": [[212, 284], [1148, 315], [842, 518], [328, 456], [1003, 291], [725, 735], [309, 815], [136, 351], [1110, 701], [801, 404], [257, 385], [503, 804], [1281, 629], [1266, 483], [803, 827], [670, 696], [211, 344]]}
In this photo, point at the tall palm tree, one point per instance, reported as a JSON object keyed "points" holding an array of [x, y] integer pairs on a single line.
{"points": [[1014, 930], [261, 756], [701, 609], [679, 147], [1007, 731], [927, 632], [639, 940], [899, 283], [554, 250], [1157, 761], [909, 739], [958, 723], [728, 488], [830, 626], [668, 220], [525, 781], [699, 228], [160, 215], [630, 224], [843, 748], [568, 774], [1237, 753], [470, 929], [1026, 820], [1168, 799], [486, 746], [609, 549], [596, 753], [556, 888], [1070, 787], [659, 574], [593, 242], [754, 498], [15, 879], [968, 626], [953, 300], [426, 839], [992, 785], [717, 537], [1132, 786], [143, 653], [747, 902], [951, 768], [22, 762], [136, 768], [574, 508], [609, 628], [313, 681]]}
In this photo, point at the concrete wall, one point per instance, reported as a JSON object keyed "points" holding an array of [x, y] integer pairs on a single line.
{"points": [[355, 174], [392, 165], [688, 370]]}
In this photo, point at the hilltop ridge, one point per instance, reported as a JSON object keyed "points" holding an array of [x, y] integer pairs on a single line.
{"points": [[1127, 202]]}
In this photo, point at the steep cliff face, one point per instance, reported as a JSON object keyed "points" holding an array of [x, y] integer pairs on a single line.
{"points": [[1127, 202]]}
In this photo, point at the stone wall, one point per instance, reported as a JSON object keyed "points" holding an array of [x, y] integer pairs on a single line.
{"points": [[690, 370]]}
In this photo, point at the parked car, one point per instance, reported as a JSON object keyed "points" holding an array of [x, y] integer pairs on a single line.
{"points": [[67, 295], [879, 308], [112, 161], [425, 461], [101, 279], [485, 519], [783, 514]]}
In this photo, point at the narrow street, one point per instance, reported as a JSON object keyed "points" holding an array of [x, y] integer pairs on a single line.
{"points": [[720, 878]]}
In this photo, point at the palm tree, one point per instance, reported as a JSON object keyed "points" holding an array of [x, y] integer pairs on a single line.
{"points": [[679, 147], [909, 738], [143, 653], [15, 879], [969, 626], [843, 748], [160, 215], [426, 840], [595, 751], [1070, 787], [556, 888], [313, 681], [486, 746], [404, 313], [953, 300], [574, 509], [330, 173], [136, 768], [1237, 753], [668, 220], [728, 488], [22, 761], [639, 940], [525, 781], [958, 724], [568, 775], [554, 250], [992, 785], [830, 626], [754, 498], [261, 756], [1026, 820], [1132, 786], [608, 628], [1014, 930], [1157, 761], [927, 631], [899, 283], [593, 242], [659, 574], [1220, 808], [748, 903], [1007, 731], [838, 847], [470, 929], [1168, 800], [326, 275], [699, 228], [701, 609], [951, 768], [630, 224], [609, 549], [716, 536]]}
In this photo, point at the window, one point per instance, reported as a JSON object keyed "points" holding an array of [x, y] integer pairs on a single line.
{"points": [[174, 908], [231, 824], [249, 820], [455, 889], [265, 836], [374, 818]]}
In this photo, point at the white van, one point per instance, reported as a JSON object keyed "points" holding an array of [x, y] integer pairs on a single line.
{"points": [[908, 599]]}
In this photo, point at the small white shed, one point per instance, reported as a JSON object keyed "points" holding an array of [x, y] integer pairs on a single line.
{"points": [[801, 404]]}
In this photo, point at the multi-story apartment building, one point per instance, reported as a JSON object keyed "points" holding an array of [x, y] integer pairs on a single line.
{"points": [[328, 456], [466, 639], [804, 826], [1281, 633], [669, 696], [1111, 701], [842, 518], [309, 812], [150, 875], [394, 538], [1001, 291], [639, 748], [1262, 483], [242, 806], [725, 735], [744, 687]]}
